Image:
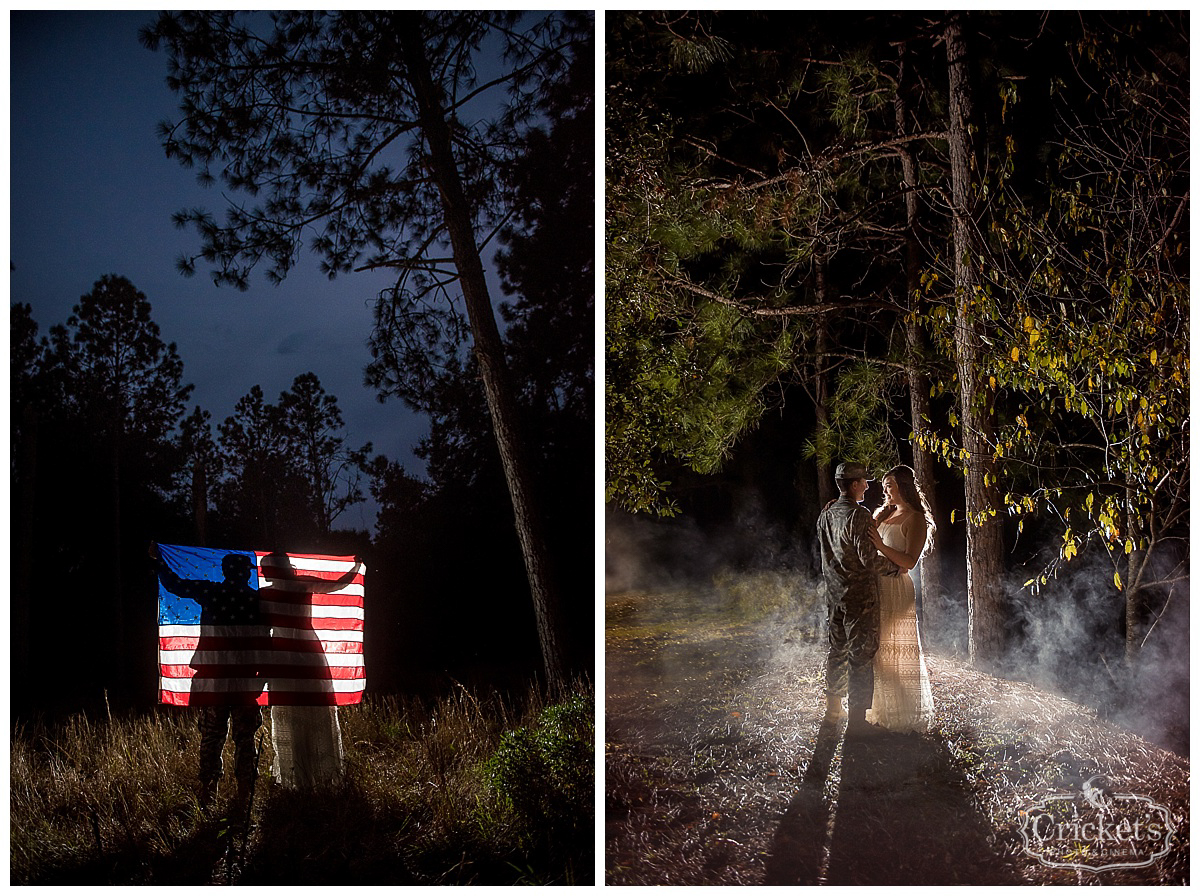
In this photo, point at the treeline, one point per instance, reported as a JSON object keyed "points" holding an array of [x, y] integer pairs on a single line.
{"points": [[953, 240], [106, 457], [108, 453]]}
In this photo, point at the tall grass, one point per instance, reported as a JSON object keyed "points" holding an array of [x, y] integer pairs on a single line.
{"points": [[465, 789]]}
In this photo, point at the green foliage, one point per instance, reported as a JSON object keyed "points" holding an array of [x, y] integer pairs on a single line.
{"points": [[1085, 301], [544, 772], [858, 92], [858, 420], [688, 370]]}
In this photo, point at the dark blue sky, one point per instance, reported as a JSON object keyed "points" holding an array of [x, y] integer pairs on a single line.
{"points": [[93, 194]]}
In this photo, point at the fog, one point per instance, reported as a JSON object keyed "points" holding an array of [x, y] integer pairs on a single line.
{"points": [[1068, 638]]}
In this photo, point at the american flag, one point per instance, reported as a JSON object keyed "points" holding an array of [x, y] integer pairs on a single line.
{"points": [[272, 628]]}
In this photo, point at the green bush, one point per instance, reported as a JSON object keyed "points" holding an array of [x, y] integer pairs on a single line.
{"points": [[544, 773]]}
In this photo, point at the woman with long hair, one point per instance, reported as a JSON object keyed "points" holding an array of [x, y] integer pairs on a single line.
{"points": [[903, 700]]}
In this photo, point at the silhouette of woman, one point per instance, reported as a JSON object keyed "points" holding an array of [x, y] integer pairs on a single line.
{"points": [[304, 722]]}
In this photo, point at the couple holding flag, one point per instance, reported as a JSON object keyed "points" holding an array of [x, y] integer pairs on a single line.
{"points": [[239, 630]]}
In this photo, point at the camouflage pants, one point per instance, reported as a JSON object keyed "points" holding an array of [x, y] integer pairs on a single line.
{"points": [[853, 643], [214, 724]]}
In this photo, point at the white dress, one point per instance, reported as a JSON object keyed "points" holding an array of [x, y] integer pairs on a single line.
{"points": [[903, 700], [308, 746]]}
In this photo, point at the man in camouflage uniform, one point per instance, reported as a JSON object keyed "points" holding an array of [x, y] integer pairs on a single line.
{"points": [[851, 564]]}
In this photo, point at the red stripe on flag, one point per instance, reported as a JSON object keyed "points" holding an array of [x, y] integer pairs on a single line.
{"points": [[320, 672]]}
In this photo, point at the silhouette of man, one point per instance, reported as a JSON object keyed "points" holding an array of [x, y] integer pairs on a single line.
{"points": [[226, 693]]}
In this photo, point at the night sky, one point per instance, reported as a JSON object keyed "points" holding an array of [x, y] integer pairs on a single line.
{"points": [[93, 194]]}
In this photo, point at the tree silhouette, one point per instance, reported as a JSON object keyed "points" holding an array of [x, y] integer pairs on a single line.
{"points": [[201, 467], [260, 493], [102, 397], [329, 469], [289, 474], [352, 131]]}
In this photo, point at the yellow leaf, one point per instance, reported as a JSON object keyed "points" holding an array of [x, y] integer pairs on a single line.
{"points": [[1034, 336], [1153, 356], [1129, 546], [1016, 354], [1028, 324], [1117, 580]]}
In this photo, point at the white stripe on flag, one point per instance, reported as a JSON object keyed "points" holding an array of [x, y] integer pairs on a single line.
{"points": [[268, 585], [316, 686]]}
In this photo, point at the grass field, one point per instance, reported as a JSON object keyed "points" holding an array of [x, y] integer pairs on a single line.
{"points": [[466, 789], [719, 769]]}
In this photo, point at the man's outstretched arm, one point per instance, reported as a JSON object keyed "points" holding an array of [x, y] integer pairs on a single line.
{"points": [[192, 590]]}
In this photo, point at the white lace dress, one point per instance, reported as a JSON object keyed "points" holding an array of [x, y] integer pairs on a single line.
{"points": [[903, 700]]}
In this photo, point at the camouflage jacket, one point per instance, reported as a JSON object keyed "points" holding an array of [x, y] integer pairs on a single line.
{"points": [[849, 561]]}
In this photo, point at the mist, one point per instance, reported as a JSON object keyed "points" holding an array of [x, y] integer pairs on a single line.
{"points": [[749, 567], [1067, 639]]}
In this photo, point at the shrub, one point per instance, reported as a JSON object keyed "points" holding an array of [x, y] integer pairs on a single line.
{"points": [[544, 773]]}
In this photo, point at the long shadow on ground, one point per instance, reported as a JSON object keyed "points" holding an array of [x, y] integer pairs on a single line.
{"points": [[894, 812]]}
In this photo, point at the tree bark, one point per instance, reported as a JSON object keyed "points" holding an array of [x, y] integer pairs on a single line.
{"points": [[489, 350], [924, 464], [1135, 595], [985, 593], [24, 547], [200, 500], [825, 490]]}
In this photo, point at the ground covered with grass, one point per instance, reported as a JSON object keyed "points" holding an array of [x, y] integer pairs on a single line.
{"points": [[720, 771], [466, 789]]}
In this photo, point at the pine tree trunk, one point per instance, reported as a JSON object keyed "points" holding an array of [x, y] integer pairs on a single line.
{"points": [[200, 501], [489, 351], [932, 589], [825, 489], [986, 612], [24, 546]]}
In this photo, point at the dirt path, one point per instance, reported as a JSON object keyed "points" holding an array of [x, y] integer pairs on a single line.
{"points": [[719, 771]]}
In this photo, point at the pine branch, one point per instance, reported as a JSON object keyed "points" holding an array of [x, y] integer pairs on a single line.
{"points": [[747, 307]]}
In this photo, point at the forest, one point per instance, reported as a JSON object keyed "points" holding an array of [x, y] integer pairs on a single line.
{"points": [[953, 241], [450, 155], [109, 453], [958, 242]]}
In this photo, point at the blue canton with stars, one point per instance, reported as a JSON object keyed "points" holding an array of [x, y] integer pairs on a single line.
{"points": [[192, 589]]}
